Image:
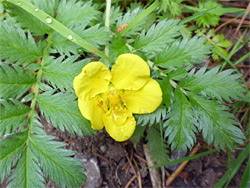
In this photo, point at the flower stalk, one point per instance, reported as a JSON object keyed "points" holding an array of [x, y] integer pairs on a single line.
{"points": [[108, 6]]}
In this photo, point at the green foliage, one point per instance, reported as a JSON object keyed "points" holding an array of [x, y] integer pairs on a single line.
{"points": [[217, 125], [16, 46], [75, 12], [209, 18], [183, 52], [27, 173], [26, 20], [157, 145], [62, 110], [13, 114], [158, 36], [95, 35], [171, 7], [11, 149], [152, 118], [37, 69], [223, 85], [60, 73], [14, 82], [56, 162], [180, 128]]}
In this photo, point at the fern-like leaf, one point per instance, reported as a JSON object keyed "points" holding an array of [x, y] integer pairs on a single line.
{"points": [[15, 46], [183, 52], [157, 146], [180, 128], [27, 172], [11, 149], [14, 82], [77, 12], [60, 73], [222, 85], [12, 116], [62, 110], [57, 163], [158, 36], [217, 125], [152, 118]]}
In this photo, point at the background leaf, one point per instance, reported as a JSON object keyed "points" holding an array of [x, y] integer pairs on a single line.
{"points": [[158, 36], [56, 162], [14, 81], [183, 52], [62, 110], [180, 128], [217, 125], [60, 72], [13, 114], [15, 46], [222, 85]]}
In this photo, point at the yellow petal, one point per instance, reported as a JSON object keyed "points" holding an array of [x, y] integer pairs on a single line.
{"points": [[145, 100], [119, 132], [93, 80], [92, 110], [130, 72]]}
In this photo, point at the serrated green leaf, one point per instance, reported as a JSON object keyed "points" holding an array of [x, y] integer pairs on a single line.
{"points": [[213, 17], [138, 134], [118, 46], [56, 162], [152, 118], [13, 114], [217, 125], [223, 85], [158, 36], [95, 35], [14, 82], [15, 46], [62, 110], [76, 12], [26, 20], [10, 152], [27, 172], [157, 146], [183, 52], [128, 17], [60, 73], [180, 128]]}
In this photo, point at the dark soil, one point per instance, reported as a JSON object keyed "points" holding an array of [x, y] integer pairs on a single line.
{"points": [[114, 161]]}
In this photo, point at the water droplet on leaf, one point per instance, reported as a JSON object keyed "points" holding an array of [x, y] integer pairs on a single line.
{"points": [[19, 3], [49, 20], [70, 37], [36, 9]]}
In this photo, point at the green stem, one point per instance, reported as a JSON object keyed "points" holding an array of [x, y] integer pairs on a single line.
{"points": [[58, 27], [38, 80], [140, 17], [108, 5]]}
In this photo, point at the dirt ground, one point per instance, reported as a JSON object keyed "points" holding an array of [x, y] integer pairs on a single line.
{"points": [[114, 161]]}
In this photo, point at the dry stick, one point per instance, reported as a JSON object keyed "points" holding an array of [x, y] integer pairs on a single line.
{"points": [[103, 158], [182, 166], [154, 172], [130, 181], [140, 158], [242, 20]]}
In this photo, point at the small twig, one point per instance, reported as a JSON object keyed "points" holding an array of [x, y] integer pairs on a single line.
{"points": [[131, 180], [103, 158], [242, 20], [140, 158], [182, 166]]}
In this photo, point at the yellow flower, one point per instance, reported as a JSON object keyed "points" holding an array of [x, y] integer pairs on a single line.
{"points": [[109, 98]]}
